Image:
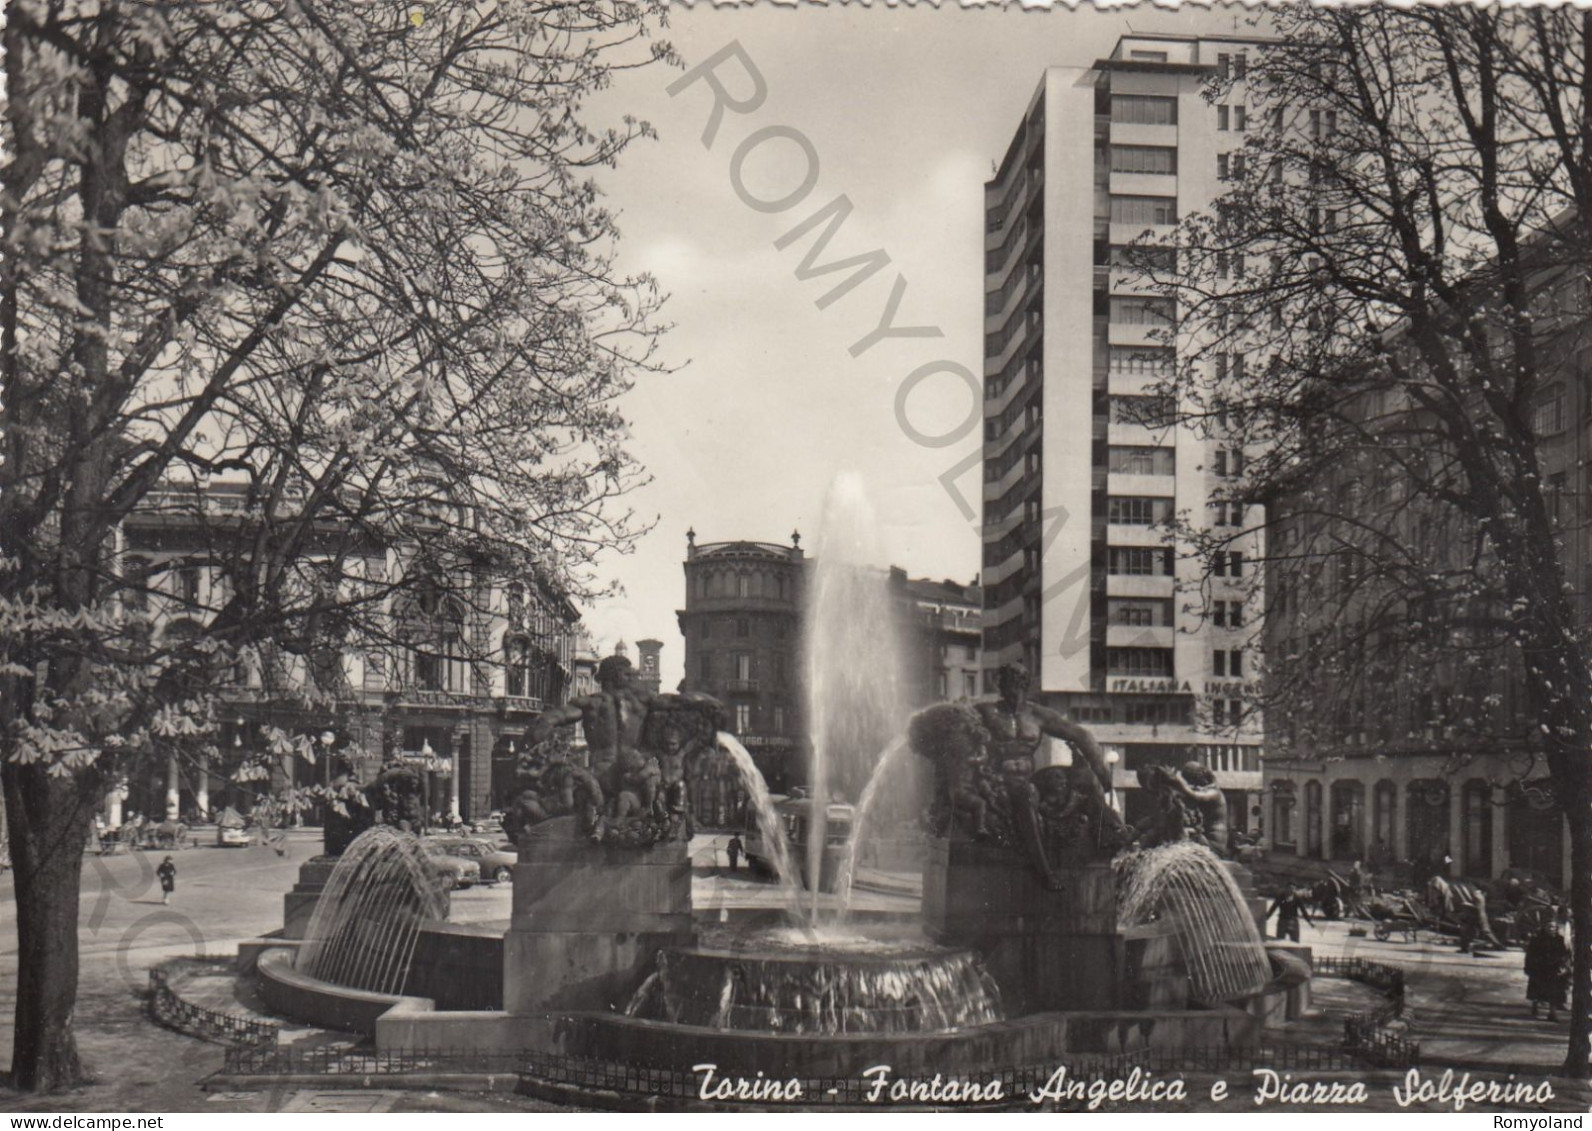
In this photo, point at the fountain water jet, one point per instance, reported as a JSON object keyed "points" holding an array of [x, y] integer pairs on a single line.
{"points": [[1189, 885], [768, 822], [363, 931], [854, 660], [895, 757]]}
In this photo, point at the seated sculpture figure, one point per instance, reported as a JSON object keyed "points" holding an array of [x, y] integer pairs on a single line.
{"points": [[621, 799], [398, 798], [1189, 806], [987, 786], [554, 785]]}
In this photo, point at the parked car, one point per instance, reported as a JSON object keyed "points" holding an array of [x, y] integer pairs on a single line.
{"points": [[496, 863], [229, 837], [464, 871], [489, 827]]}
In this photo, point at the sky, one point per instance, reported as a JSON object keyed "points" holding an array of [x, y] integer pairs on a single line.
{"points": [[904, 112]]}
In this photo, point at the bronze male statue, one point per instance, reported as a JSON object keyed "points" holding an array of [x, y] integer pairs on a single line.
{"points": [[987, 784], [628, 774]]}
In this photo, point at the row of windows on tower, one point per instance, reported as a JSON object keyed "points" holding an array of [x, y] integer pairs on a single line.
{"points": [[1157, 561], [1151, 612], [1141, 561], [1157, 663], [737, 628], [739, 667], [752, 584]]}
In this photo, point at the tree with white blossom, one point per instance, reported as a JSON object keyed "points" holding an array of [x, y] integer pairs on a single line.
{"points": [[351, 256], [1376, 313]]}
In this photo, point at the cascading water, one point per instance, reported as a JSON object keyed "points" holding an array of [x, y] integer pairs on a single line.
{"points": [[768, 823], [885, 771], [362, 933], [1188, 884], [779, 982], [854, 651]]}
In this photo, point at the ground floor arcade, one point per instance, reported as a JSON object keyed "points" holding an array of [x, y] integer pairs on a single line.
{"points": [[1485, 815]]}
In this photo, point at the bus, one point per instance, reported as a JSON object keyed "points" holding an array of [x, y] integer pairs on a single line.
{"points": [[795, 814]]}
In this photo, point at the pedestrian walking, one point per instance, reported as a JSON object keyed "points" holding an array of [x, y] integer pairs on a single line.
{"points": [[1547, 969], [1469, 926], [1290, 906], [167, 873], [734, 850]]}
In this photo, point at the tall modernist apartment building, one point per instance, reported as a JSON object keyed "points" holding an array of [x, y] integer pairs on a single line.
{"points": [[1078, 583]]}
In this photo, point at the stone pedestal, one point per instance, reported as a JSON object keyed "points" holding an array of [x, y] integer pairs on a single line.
{"points": [[299, 904], [1257, 904], [589, 921], [1048, 950]]}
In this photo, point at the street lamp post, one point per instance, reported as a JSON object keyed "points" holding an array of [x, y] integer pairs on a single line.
{"points": [[1113, 756]]}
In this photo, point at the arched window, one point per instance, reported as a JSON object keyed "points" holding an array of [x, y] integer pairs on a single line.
{"points": [[1477, 799], [1312, 818], [135, 575], [1283, 834], [1384, 812], [1348, 819], [516, 662], [432, 627], [1426, 820]]}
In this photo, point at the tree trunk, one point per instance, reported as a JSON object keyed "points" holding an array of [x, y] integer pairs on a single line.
{"points": [[1579, 1055], [49, 823]]}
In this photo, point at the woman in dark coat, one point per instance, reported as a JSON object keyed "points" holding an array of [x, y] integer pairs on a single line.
{"points": [[167, 873], [1547, 970]]}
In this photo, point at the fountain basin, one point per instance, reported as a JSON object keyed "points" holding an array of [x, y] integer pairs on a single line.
{"points": [[800, 982], [301, 996], [976, 1051]]}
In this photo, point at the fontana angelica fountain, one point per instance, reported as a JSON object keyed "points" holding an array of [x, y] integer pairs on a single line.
{"points": [[817, 973], [1028, 936], [1048, 929]]}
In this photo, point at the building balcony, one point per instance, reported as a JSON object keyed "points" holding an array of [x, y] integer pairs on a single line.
{"points": [[1132, 383], [1128, 485], [1123, 234], [997, 488], [1134, 133], [1140, 585], [431, 697], [1134, 435], [1156, 334], [1127, 534], [1011, 294], [1131, 281], [743, 686], [511, 703], [1140, 635], [1144, 184]]}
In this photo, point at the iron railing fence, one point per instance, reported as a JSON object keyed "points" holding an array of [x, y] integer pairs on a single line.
{"points": [[168, 1008]]}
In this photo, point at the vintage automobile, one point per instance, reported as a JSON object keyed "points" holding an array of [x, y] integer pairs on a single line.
{"points": [[232, 830], [496, 863], [463, 871]]}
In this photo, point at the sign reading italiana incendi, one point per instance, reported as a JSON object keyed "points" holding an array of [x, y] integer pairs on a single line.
{"points": [[1177, 687]]}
